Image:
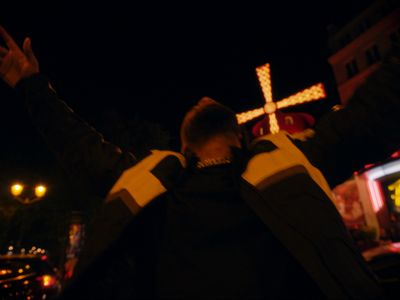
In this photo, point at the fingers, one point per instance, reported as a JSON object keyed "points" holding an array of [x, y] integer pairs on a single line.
{"points": [[28, 49], [27, 45], [8, 39], [29, 53]]}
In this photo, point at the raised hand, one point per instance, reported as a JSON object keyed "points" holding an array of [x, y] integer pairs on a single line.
{"points": [[16, 64]]}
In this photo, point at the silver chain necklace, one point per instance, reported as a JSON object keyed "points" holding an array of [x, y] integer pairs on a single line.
{"points": [[213, 162]]}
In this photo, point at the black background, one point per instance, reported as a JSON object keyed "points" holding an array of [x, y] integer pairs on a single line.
{"points": [[156, 60]]}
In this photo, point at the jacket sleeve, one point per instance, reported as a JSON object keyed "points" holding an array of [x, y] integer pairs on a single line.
{"points": [[366, 131], [82, 151]]}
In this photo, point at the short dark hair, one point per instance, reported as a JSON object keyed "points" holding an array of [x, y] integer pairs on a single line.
{"points": [[206, 120]]}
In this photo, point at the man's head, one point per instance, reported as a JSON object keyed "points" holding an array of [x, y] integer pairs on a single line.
{"points": [[205, 121]]}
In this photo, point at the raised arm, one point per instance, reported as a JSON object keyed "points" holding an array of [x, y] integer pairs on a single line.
{"points": [[82, 151]]}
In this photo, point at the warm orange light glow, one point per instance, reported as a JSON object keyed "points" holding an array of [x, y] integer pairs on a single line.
{"points": [[48, 280], [312, 93], [264, 77], [249, 115], [17, 189], [270, 107], [273, 123], [40, 191]]}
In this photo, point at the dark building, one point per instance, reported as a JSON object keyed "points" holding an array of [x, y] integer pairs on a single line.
{"points": [[358, 46]]}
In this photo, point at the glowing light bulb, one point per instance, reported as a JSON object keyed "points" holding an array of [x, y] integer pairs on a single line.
{"points": [[40, 190], [17, 189]]}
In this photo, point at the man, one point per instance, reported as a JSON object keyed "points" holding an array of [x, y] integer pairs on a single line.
{"points": [[222, 220]]}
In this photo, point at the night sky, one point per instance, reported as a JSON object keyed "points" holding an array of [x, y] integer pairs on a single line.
{"points": [[156, 60]]}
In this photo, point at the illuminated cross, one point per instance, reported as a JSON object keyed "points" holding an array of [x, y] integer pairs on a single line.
{"points": [[312, 93]]}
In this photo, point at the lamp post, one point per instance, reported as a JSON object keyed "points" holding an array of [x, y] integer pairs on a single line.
{"points": [[26, 197], [17, 191]]}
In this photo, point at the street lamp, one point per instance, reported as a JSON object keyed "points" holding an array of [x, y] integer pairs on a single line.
{"points": [[26, 196], [17, 190]]}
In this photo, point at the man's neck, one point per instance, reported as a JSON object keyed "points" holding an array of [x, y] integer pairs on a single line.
{"points": [[217, 148]]}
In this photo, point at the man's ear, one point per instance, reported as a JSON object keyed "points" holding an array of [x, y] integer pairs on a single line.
{"points": [[191, 158], [186, 151], [183, 148]]}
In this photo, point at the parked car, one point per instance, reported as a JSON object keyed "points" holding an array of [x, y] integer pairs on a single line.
{"points": [[384, 261], [28, 276]]}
